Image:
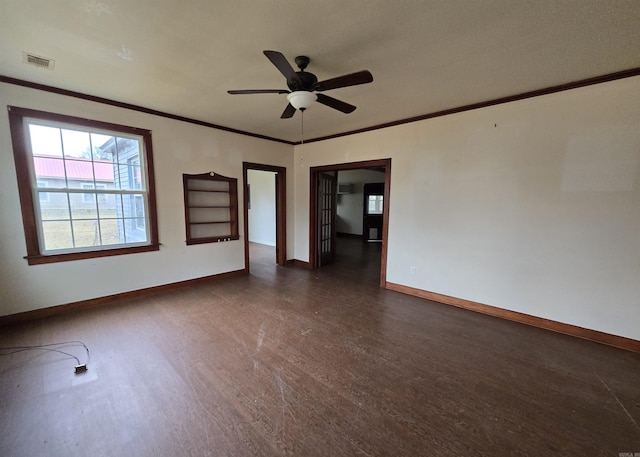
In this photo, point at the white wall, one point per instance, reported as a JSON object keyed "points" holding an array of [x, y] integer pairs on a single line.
{"points": [[262, 214], [531, 206], [178, 148], [349, 207]]}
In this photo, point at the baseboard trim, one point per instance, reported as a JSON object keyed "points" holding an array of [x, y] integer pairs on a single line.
{"points": [[547, 324], [298, 263], [93, 302]]}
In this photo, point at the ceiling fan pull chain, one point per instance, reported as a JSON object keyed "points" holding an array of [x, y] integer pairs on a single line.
{"points": [[302, 138]]}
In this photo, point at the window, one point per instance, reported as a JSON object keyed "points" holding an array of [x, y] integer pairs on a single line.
{"points": [[73, 158], [374, 204]]}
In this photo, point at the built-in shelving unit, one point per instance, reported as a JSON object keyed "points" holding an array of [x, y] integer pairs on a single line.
{"points": [[211, 208]]}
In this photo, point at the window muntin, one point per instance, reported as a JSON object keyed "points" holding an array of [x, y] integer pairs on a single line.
{"points": [[99, 186]]}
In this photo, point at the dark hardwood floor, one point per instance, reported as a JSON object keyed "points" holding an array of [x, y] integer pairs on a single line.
{"points": [[289, 361]]}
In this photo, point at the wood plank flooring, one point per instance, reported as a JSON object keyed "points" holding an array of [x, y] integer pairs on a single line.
{"points": [[296, 362]]}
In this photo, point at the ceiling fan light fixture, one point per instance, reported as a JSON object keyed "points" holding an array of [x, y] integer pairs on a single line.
{"points": [[301, 99]]}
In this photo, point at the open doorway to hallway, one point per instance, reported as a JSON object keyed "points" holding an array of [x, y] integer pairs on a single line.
{"points": [[359, 205], [261, 190], [349, 217], [264, 214]]}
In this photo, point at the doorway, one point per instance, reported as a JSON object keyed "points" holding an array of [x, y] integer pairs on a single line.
{"points": [[279, 177], [373, 206], [322, 223]]}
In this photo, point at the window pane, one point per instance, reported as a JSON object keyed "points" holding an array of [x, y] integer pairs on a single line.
{"points": [[45, 141], [126, 149], [79, 172], [111, 230], [129, 175], [83, 206], [139, 206], [57, 208], [110, 205], [102, 147], [133, 233], [103, 170], [85, 233], [134, 213], [57, 235], [135, 177], [119, 174], [76, 144], [133, 205], [50, 168]]}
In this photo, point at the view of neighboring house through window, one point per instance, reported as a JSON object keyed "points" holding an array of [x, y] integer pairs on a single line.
{"points": [[89, 197], [89, 185]]}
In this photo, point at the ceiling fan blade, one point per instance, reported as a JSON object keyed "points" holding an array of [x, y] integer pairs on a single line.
{"points": [[288, 112], [352, 79], [282, 64], [258, 91], [335, 103]]}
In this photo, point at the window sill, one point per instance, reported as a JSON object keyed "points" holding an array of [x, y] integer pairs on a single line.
{"points": [[69, 256]]}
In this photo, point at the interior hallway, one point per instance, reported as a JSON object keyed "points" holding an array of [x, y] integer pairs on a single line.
{"points": [[323, 362], [358, 260]]}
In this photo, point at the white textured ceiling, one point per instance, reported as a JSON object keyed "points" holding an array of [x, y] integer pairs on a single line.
{"points": [[181, 56]]}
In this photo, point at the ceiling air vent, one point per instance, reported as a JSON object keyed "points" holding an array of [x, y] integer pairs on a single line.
{"points": [[38, 61]]}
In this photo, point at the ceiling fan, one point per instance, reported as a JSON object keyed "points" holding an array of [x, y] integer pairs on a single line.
{"points": [[304, 87]]}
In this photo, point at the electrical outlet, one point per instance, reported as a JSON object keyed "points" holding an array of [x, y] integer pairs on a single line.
{"points": [[412, 270]]}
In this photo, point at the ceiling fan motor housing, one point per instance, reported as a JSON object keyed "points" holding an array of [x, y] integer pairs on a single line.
{"points": [[305, 82]]}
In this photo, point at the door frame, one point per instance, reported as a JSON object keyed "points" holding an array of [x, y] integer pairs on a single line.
{"points": [[281, 210], [313, 214]]}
